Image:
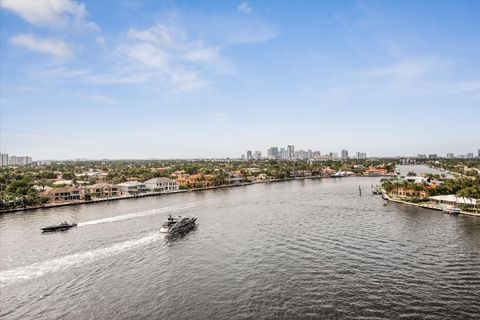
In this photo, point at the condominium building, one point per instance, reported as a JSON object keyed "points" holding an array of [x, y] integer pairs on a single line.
{"points": [[7, 160], [3, 159], [291, 151], [272, 153]]}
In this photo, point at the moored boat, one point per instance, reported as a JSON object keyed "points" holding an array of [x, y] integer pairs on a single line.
{"points": [[452, 210], [59, 227]]}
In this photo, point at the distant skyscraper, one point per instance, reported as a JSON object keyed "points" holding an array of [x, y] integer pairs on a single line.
{"points": [[3, 159], [309, 154], [273, 153], [470, 155], [450, 155], [421, 156], [249, 155], [291, 151], [258, 155], [432, 156], [344, 154], [15, 160], [361, 155]]}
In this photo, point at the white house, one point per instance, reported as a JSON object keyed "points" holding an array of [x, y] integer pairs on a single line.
{"points": [[161, 184], [132, 187]]}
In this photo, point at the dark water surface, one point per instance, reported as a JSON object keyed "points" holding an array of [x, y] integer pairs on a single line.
{"points": [[293, 250]]}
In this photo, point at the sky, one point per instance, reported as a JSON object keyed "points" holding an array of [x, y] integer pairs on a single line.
{"points": [[201, 79]]}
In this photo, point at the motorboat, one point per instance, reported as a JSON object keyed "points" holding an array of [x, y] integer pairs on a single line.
{"points": [[59, 227], [338, 175], [452, 210], [178, 224]]}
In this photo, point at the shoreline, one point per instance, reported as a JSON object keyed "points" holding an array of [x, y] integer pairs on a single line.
{"points": [[153, 194], [425, 206]]}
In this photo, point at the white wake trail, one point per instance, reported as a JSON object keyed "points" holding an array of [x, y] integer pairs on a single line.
{"points": [[142, 214], [39, 269]]}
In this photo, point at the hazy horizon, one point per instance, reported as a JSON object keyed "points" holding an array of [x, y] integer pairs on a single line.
{"points": [[213, 79]]}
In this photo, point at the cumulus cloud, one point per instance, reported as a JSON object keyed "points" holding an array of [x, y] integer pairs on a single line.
{"points": [[166, 56], [52, 13], [404, 69], [51, 46], [244, 7]]}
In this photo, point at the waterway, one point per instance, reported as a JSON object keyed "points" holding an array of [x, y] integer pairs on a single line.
{"points": [[291, 250]]}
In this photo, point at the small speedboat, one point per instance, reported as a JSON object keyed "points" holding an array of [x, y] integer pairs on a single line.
{"points": [[179, 224], [452, 210], [59, 227]]}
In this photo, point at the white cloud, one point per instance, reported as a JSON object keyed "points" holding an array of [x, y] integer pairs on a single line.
{"points": [[203, 54], [100, 41], [53, 13], [51, 46], [244, 7], [167, 57], [147, 55], [159, 35], [404, 69]]}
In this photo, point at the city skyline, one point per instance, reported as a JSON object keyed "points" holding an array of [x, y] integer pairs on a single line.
{"points": [[136, 80]]}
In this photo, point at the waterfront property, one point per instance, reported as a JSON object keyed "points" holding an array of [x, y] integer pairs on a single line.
{"points": [[161, 184], [132, 187], [409, 192], [62, 194], [102, 190]]}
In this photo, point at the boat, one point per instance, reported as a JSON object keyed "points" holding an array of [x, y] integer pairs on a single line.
{"points": [[179, 224], [338, 175], [452, 210], [59, 227]]}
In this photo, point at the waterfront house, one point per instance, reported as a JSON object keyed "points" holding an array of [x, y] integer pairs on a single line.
{"points": [[408, 192], [132, 187], [235, 178], [102, 190], [61, 194], [161, 184], [375, 171]]}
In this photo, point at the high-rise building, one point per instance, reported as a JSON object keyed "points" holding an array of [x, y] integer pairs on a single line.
{"points": [[258, 155], [309, 154], [361, 155], [291, 151], [421, 156], [273, 153], [249, 155], [15, 160], [3, 159], [450, 155], [432, 156], [470, 155], [344, 154]]}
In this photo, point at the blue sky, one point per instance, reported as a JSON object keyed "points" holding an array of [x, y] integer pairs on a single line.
{"points": [[180, 79]]}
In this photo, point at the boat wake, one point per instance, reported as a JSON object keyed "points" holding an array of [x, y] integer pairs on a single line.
{"points": [[142, 214], [39, 269]]}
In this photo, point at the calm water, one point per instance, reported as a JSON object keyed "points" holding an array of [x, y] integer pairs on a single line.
{"points": [[292, 250]]}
